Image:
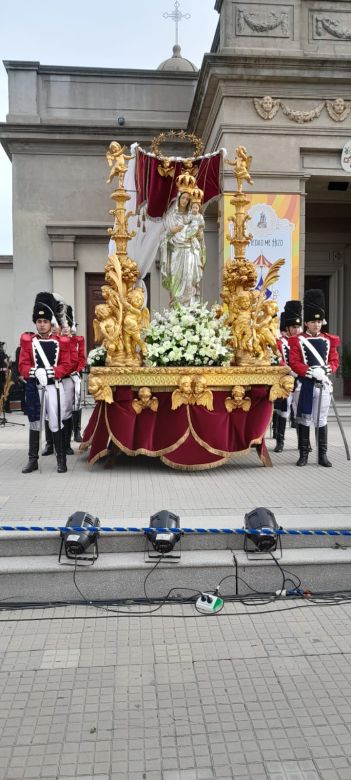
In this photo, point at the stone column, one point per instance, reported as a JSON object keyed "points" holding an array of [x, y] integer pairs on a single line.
{"points": [[63, 264]]}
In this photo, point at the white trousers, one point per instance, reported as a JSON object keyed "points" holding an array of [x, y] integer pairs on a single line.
{"points": [[325, 404], [68, 387], [49, 397]]}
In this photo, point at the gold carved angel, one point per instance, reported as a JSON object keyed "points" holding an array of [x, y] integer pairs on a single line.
{"points": [[145, 400], [203, 396], [238, 400], [117, 161], [135, 319], [165, 168], [183, 393], [241, 166]]}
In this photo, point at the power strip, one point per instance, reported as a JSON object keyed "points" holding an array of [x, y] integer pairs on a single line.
{"points": [[209, 602]]}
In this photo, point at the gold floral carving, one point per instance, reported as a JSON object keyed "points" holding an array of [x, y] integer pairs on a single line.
{"points": [[282, 388], [238, 400], [145, 400], [338, 109]]}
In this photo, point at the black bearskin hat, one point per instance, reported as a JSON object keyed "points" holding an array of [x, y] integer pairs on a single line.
{"points": [[60, 310], [293, 313], [70, 316], [44, 307], [314, 306], [282, 322]]}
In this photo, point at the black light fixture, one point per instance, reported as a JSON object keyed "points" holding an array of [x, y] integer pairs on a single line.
{"points": [[163, 533], [256, 522], [80, 533]]}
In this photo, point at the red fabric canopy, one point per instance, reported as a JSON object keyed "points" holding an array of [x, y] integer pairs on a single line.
{"points": [[190, 437], [158, 191]]}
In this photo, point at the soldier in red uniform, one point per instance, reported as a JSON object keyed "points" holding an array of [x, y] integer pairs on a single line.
{"points": [[313, 357], [290, 325], [44, 360], [79, 343]]}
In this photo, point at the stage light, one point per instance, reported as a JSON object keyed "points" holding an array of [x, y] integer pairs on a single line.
{"points": [[258, 520], [163, 532], [77, 540]]}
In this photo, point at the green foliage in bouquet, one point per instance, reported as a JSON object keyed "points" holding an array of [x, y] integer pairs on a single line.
{"points": [[187, 336]]}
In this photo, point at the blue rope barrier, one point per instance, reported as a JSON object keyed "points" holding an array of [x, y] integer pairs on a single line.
{"points": [[198, 531]]}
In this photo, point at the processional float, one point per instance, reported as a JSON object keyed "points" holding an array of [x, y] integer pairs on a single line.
{"points": [[191, 416]]}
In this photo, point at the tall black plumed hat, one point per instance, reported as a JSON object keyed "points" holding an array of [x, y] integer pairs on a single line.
{"points": [[70, 316], [60, 310], [282, 322], [293, 313], [44, 307], [314, 306]]}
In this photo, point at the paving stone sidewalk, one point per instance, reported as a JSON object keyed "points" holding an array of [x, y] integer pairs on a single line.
{"points": [[176, 696], [137, 487]]}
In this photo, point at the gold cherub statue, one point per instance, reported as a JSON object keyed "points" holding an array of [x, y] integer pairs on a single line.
{"points": [[202, 394], [145, 400], [238, 400], [241, 166], [165, 168], [184, 392], [266, 327], [116, 159], [135, 319]]}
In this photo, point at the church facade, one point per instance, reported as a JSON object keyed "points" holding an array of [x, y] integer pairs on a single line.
{"points": [[277, 80]]}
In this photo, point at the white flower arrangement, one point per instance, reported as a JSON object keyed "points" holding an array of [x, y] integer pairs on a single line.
{"points": [[97, 357], [187, 336]]}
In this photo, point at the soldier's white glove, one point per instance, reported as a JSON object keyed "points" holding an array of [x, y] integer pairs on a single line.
{"points": [[318, 373], [41, 377]]}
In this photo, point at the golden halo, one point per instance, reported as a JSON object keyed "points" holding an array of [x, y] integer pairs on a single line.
{"points": [[182, 136]]}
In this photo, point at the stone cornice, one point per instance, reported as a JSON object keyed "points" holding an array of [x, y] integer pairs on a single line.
{"points": [[73, 231], [54, 138], [6, 261], [123, 73]]}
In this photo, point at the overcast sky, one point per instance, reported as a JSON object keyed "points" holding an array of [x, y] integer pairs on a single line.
{"points": [[118, 34]]}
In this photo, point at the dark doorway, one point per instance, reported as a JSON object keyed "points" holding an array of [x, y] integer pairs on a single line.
{"points": [[320, 283], [93, 284]]}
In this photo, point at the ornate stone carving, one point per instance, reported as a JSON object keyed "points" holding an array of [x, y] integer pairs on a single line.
{"points": [[260, 23], [302, 116], [145, 400], [266, 107], [332, 26], [238, 400], [338, 109]]}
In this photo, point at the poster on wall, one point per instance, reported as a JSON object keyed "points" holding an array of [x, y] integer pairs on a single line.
{"points": [[275, 226]]}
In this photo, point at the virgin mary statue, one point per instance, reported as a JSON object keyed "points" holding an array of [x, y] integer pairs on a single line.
{"points": [[183, 251]]}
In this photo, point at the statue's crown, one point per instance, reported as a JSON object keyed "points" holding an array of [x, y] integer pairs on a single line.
{"points": [[185, 182], [197, 195]]}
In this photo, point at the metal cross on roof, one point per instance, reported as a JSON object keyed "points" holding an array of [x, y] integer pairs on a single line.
{"points": [[177, 17]]}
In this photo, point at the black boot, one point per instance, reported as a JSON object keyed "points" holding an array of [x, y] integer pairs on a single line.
{"points": [[77, 419], [67, 433], [298, 438], [274, 425], [281, 425], [33, 453], [49, 446], [60, 451], [292, 418], [322, 447], [304, 438]]}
